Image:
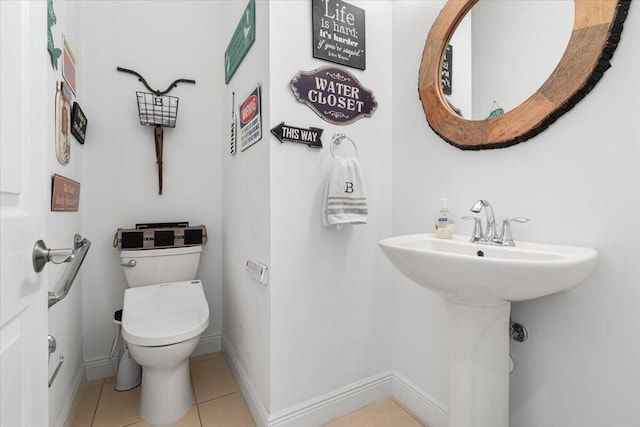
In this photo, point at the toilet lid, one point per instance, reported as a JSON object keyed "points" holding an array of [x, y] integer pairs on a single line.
{"points": [[164, 314]]}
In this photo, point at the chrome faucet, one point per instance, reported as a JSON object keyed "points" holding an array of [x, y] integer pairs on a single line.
{"points": [[490, 231], [490, 236]]}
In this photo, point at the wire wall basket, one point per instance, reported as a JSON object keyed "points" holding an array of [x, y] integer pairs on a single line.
{"points": [[157, 110]]}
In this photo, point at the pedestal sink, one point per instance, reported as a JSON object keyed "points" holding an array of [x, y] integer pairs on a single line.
{"points": [[478, 283]]}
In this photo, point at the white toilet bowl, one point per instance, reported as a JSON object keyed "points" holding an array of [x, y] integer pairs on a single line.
{"points": [[162, 325]]}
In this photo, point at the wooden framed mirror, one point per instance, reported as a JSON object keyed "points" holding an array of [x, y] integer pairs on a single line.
{"points": [[596, 32]]}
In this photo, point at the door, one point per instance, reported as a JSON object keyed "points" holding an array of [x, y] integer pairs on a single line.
{"points": [[23, 206]]}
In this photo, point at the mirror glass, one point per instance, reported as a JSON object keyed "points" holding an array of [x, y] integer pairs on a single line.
{"points": [[504, 50]]}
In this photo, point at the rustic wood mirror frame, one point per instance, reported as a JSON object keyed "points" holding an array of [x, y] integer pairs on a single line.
{"points": [[595, 36]]}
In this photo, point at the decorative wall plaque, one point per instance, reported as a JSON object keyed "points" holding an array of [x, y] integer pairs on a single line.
{"points": [[78, 123], [69, 66], [65, 194], [334, 94], [310, 136], [339, 33], [241, 41], [250, 119], [63, 120]]}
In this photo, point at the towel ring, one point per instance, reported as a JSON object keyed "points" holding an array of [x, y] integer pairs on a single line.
{"points": [[337, 139]]}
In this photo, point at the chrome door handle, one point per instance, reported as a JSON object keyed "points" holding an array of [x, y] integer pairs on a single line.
{"points": [[42, 255], [52, 345]]}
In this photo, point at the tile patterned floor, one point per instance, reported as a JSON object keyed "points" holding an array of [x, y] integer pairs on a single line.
{"points": [[219, 403]]}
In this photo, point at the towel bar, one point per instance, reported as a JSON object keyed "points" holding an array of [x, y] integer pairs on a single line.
{"points": [[337, 140]]}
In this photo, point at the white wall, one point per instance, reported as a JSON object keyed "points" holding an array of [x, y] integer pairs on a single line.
{"points": [[163, 41], [246, 211], [577, 181], [330, 289]]}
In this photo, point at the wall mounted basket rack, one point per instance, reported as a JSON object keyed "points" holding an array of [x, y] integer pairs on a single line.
{"points": [[159, 110]]}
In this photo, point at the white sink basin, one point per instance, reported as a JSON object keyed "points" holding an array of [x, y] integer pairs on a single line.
{"points": [[478, 283], [482, 274]]}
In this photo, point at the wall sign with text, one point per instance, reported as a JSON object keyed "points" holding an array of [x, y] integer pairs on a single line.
{"points": [[339, 33], [65, 194], [250, 119], [310, 136], [334, 94], [447, 71], [241, 41], [78, 123]]}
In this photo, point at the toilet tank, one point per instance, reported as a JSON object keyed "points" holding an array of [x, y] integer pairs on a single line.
{"points": [[152, 266]]}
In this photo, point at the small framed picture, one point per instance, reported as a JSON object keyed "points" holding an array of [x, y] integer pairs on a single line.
{"points": [[78, 123]]}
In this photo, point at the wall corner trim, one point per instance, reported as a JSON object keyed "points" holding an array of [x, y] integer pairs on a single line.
{"points": [[315, 411], [417, 400]]}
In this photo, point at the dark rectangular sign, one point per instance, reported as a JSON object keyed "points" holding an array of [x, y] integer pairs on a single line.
{"points": [[339, 33], [447, 75], [78, 123]]}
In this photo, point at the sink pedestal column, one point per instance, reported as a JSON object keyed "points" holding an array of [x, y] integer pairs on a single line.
{"points": [[479, 370]]}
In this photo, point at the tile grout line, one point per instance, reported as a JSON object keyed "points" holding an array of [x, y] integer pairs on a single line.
{"points": [[195, 398], [198, 412], [401, 406], [219, 397], [95, 409]]}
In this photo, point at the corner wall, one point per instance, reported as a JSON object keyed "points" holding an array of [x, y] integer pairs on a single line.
{"points": [[330, 289], [246, 215]]}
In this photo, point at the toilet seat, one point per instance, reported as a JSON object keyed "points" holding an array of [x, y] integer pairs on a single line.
{"points": [[164, 314]]}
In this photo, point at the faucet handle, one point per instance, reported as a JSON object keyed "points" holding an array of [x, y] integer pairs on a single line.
{"points": [[477, 227], [505, 235]]}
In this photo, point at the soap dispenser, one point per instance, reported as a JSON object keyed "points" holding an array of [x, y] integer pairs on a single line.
{"points": [[444, 222]]}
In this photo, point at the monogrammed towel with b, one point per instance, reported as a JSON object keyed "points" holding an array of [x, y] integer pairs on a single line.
{"points": [[345, 201]]}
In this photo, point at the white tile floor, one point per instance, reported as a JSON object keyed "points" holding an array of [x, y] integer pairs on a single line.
{"points": [[219, 403]]}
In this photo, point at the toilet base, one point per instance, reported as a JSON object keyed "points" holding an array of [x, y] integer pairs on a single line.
{"points": [[167, 393]]}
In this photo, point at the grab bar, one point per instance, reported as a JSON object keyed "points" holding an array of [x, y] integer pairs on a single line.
{"points": [[55, 373], [75, 256]]}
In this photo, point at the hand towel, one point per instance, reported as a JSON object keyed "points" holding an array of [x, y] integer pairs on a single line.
{"points": [[345, 201]]}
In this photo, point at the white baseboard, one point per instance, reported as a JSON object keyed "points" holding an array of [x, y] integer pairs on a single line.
{"points": [[419, 402], [100, 368], [256, 407], [70, 408], [338, 403], [210, 344], [105, 367], [313, 412]]}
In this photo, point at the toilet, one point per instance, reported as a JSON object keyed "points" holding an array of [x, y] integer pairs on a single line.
{"points": [[164, 313]]}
